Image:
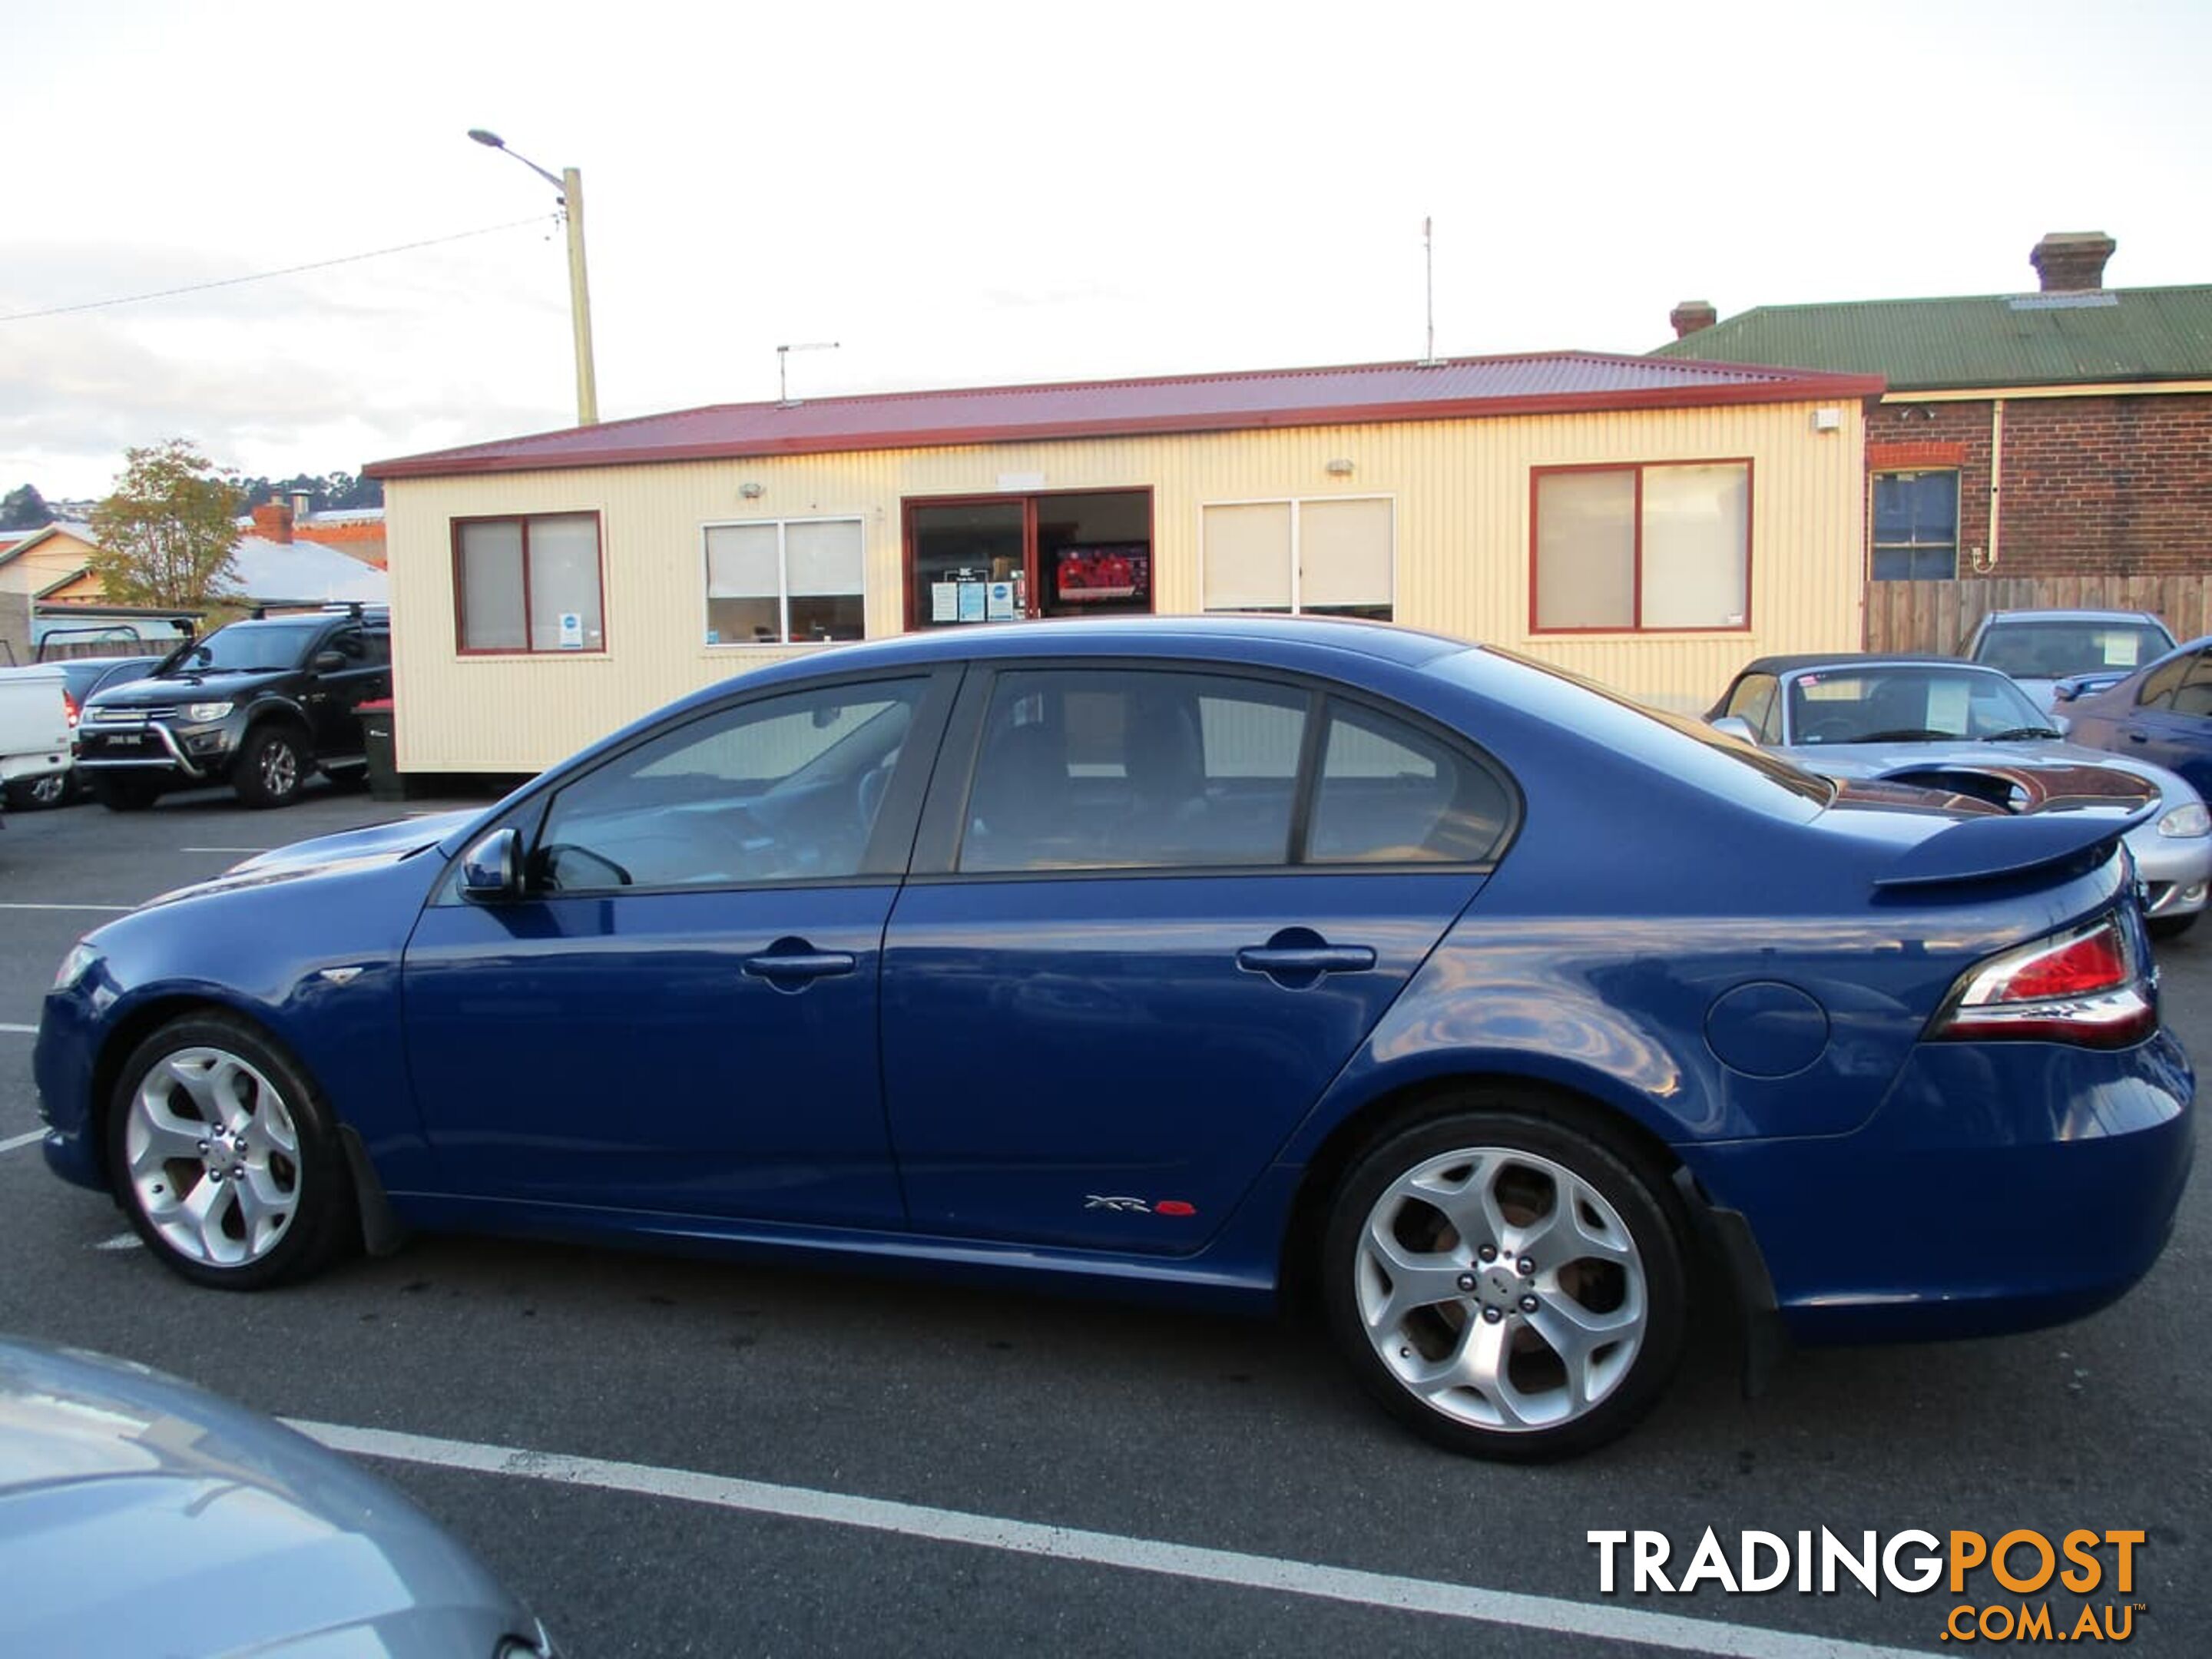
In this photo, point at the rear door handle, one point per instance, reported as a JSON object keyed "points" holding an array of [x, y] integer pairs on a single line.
{"points": [[1305, 958], [2138, 737]]}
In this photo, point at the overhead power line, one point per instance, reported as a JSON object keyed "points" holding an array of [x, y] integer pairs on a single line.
{"points": [[265, 275]]}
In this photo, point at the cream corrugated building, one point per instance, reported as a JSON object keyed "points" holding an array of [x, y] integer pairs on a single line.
{"points": [[1652, 524]]}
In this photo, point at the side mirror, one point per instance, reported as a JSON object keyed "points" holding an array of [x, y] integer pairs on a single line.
{"points": [[491, 870], [1733, 725], [328, 662]]}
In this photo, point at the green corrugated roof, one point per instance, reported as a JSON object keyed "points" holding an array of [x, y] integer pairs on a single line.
{"points": [[1992, 339]]}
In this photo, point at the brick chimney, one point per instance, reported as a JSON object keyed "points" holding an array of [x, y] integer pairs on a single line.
{"points": [[272, 521], [1691, 315], [2072, 261]]}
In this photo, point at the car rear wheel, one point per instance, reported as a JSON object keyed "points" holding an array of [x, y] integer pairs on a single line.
{"points": [[224, 1157], [271, 768], [1507, 1285], [37, 795], [120, 794]]}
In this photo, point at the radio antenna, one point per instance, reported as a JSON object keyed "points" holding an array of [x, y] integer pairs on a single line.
{"points": [[1430, 359]]}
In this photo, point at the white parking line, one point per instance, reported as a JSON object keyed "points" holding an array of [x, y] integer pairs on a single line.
{"points": [[21, 1031], [112, 909], [121, 1242], [14, 1141], [226, 849], [1375, 1589]]}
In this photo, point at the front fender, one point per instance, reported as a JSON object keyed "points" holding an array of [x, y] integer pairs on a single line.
{"points": [[314, 960]]}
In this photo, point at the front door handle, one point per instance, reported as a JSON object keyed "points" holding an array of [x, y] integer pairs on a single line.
{"points": [[2138, 737], [791, 965]]}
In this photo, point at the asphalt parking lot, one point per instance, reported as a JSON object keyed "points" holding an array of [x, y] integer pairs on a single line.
{"points": [[734, 1460]]}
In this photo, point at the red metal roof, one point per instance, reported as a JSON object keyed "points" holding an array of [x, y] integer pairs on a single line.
{"points": [[1547, 383]]}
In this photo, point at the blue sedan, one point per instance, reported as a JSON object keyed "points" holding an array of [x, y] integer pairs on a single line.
{"points": [[1198, 958], [2162, 713]]}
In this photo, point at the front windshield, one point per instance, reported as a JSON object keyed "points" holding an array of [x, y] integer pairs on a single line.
{"points": [[2052, 650], [1922, 704], [244, 648]]}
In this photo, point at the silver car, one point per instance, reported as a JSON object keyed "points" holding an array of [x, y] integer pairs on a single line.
{"points": [[139, 1514], [2038, 648], [1959, 726]]}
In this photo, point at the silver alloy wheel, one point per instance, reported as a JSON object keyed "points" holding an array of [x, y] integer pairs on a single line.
{"points": [[50, 790], [280, 769], [213, 1157], [1501, 1288]]}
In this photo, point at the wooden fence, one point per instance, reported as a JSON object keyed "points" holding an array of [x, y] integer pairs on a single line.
{"points": [[1936, 616]]}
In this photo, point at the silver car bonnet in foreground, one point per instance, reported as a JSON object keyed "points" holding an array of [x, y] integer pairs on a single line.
{"points": [[141, 1516]]}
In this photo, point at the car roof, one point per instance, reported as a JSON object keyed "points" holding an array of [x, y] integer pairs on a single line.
{"points": [[1409, 647], [1996, 618], [1791, 664]]}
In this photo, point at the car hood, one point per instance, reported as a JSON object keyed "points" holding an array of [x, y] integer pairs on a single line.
{"points": [[330, 856], [141, 1516], [2040, 756], [186, 687]]}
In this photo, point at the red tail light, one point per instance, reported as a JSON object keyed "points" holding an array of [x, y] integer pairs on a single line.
{"points": [[2083, 986], [68, 708]]}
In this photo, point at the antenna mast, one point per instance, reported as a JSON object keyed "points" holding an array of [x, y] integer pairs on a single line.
{"points": [[782, 355]]}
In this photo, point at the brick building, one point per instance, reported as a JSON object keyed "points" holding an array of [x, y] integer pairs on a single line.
{"points": [[2066, 432]]}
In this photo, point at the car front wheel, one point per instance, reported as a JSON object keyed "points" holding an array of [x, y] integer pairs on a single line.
{"points": [[1507, 1285], [224, 1155], [271, 768]]}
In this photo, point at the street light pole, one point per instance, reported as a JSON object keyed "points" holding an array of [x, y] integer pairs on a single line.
{"points": [[570, 182]]}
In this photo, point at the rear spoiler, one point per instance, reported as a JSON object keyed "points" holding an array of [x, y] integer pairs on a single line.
{"points": [[1999, 849]]}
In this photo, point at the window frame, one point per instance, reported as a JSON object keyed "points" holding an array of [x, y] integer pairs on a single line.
{"points": [[890, 841], [1876, 545], [936, 858], [783, 581], [1297, 504], [2181, 667], [1636, 625], [461, 648]]}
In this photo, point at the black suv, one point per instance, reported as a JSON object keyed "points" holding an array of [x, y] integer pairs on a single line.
{"points": [[257, 705]]}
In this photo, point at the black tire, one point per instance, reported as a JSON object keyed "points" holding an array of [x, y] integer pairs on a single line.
{"points": [[271, 765], [38, 794], [1532, 1145], [274, 1091], [125, 795], [2164, 927]]}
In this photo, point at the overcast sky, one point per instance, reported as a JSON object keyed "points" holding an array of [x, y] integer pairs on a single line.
{"points": [[964, 193]]}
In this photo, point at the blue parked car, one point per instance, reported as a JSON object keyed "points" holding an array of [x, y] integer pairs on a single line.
{"points": [[2162, 713], [1202, 958]]}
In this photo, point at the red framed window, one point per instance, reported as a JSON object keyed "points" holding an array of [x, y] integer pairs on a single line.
{"points": [[1664, 546], [529, 584], [1052, 553]]}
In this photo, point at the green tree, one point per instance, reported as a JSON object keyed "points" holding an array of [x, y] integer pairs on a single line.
{"points": [[165, 533], [24, 508]]}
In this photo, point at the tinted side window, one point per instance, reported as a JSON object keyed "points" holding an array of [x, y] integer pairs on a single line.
{"points": [[2195, 697], [1390, 795], [2158, 688], [781, 789], [1104, 770]]}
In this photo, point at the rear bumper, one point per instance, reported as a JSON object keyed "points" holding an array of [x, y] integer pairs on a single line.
{"points": [[2001, 1187]]}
